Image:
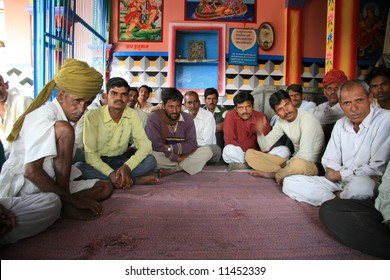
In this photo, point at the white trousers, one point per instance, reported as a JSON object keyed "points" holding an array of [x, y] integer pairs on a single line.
{"points": [[192, 164], [232, 153], [315, 190], [34, 213]]}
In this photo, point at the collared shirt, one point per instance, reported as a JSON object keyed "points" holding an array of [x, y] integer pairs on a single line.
{"points": [[326, 114], [382, 202], [219, 113], [363, 153], [305, 132], [104, 137], [205, 127], [14, 106], [146, 107], [241, 133]]}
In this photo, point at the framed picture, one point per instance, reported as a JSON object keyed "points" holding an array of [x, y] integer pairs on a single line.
{"points": [[196, 50], [140, 20], [266, 36], [221, 10]]}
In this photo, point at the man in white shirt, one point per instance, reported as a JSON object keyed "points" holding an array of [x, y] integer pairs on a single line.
{"points": [[358, 149], [295, 91], [204, 124], [379, 81], [330, 111], [305, 133], [361, 224], [11, 107], [133, 99]]}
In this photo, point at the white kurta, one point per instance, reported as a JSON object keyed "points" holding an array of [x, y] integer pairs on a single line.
{"points": [[356, 155], [205, 127], [15, 105], [326, 114], [36, 140], [34, 213]]}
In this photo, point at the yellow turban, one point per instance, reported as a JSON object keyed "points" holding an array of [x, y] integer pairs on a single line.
{"points": [[74, 77]]}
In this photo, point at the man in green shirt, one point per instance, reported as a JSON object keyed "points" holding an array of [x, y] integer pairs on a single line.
{"points": [[108, 131]]}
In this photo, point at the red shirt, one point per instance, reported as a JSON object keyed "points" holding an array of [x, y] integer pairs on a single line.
{"points": [[241, 132]]}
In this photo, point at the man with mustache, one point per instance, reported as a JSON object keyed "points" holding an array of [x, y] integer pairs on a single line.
{"points": [[379, 81], [305, 133], [239, 130], [173, 137], [330, 111], [38, 179], [108, 131], [204, 124], [356, 155]]}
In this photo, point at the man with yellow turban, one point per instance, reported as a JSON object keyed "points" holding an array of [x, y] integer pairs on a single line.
{"points": [[41, 156]]}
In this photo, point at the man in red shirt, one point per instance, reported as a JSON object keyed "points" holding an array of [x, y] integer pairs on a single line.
{"points": [[239, 130]]}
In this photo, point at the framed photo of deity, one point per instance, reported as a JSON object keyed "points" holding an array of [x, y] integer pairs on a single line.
{"points": [[140, 20], [221, 10], [196, 50]]}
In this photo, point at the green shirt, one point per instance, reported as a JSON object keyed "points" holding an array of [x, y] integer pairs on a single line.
{"points": [[104, 137]]}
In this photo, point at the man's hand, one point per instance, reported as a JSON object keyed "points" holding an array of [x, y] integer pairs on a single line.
{"points": [[122, 178], [260, 125], [183, 157], [84, 203], [219, 127], [7, 220], [332, 175]]}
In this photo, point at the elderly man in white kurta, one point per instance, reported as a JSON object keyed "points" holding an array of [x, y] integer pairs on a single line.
{"points": [[41, 155], [304, 131], [11, 107], [358, 149], [204, 124]]}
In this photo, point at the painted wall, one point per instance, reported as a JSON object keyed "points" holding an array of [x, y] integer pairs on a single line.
{"points": [[18, 29], [270, 11]]}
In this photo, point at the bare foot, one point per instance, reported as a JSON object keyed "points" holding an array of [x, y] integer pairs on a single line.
{"points": [[166, 172], [147, 180], [69, 212], [257, 173]]}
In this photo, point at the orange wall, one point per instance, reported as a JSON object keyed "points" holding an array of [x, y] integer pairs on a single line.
{"points": [[314, 28], [270, 11], [18, 29]]}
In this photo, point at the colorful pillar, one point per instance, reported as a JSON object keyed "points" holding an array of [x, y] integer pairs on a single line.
{"points": [[293, 51], [341, 41]]}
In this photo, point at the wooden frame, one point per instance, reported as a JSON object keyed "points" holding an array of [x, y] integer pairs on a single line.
{"points": [[140, 20], [206, 10]]}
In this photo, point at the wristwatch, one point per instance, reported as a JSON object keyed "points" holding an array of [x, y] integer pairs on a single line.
{"points": [[169, 148]]}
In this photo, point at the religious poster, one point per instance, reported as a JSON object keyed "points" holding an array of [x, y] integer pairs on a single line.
{"points": [[243, 46], [221, 10], [140, 20]]}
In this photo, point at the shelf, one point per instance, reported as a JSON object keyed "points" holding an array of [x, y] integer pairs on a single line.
{"points": [[196, 61]]}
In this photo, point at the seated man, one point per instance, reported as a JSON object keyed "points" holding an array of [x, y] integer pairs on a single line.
{"points": [[218, 111], [295, 92], [305, 133], [239, 130], [379, 81], [133, 99], [204, 124], [173, 137], [108, 131], [25, 216], [358, 148], [329, 112], [11, 107], [143, 103], [361, 224], [41, 157]]}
